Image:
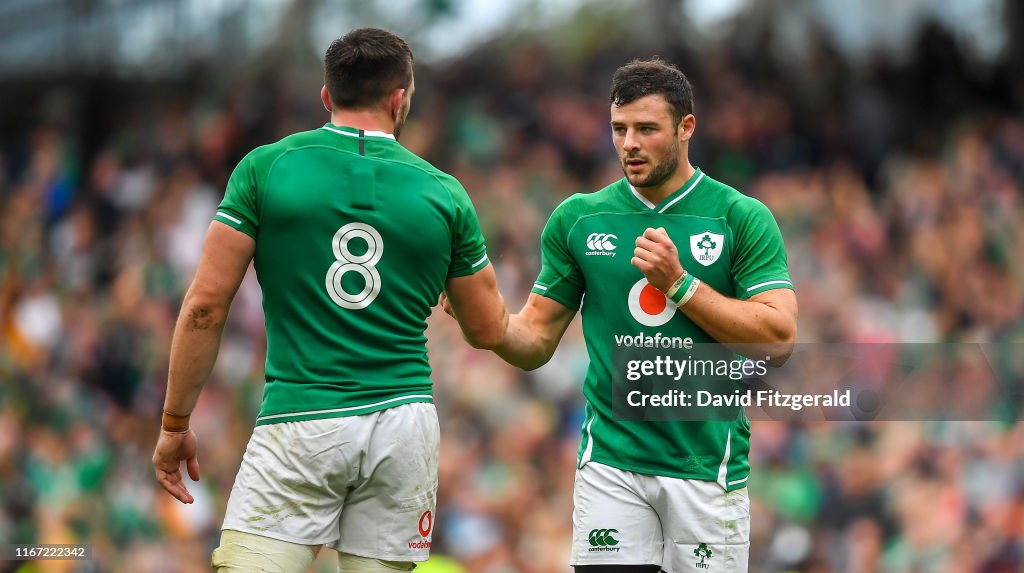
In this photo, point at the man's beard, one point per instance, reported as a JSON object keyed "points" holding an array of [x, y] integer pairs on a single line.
{"points": [[403, 114], [659, 174]]}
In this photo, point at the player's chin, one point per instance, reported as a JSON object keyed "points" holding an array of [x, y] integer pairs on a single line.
{"points": [[634, 179], [638, 179]]}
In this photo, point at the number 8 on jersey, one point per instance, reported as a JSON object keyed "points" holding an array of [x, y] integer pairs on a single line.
{"points": [[364, 264]]}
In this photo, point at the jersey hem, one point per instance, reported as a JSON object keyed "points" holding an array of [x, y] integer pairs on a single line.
{"points": [[471, 270], [736, 483], [229, 220], [758, 289], [546, 292], [342, 412]]}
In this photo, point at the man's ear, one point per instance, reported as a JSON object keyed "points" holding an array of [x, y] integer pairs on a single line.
{"points": [[326, 99], [395, 102], [686, 127]]}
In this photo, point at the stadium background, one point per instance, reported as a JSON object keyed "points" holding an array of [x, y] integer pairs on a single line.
{"points": [[887, 138]]}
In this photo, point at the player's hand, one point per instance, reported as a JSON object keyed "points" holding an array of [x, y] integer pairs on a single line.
{"points": [[172, 448], [446, 305], [657, 258]]}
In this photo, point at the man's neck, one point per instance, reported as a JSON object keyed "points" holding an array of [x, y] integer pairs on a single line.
{"points": [[658, 194], [367, 120]]}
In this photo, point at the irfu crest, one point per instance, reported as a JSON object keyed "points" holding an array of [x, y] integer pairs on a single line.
{"points": [[706, 247], [702, 552]]}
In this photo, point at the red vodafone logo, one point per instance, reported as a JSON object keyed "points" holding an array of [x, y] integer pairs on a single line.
{"points": [[426, 523], [648, 305]]}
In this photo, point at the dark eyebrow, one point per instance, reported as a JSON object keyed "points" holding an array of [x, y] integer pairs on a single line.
{"points": [[637, 124]]}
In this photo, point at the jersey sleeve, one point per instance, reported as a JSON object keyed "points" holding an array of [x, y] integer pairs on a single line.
{"points": [[469, 252], [560, 277], [760, 254], [238, 208]]}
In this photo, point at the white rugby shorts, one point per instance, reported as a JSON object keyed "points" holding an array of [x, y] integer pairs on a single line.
{"points": [[365, 485], [626, 518]]}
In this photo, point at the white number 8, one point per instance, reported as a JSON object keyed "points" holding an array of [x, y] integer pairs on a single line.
{"points": [[363, 264]]}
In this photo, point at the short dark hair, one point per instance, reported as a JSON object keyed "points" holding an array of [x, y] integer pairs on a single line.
{"points": [[364, 66], [641, 78]]}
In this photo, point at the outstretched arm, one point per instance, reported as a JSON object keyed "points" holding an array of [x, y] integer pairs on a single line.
{"points": [[532, 334], [475, 302], [763, 325], [222, 265]]}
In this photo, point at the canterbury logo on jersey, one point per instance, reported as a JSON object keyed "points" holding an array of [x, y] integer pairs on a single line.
{"points": [[601, 244]]}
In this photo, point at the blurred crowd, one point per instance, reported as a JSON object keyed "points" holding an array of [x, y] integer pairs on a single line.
{"points": [[898, 188]]}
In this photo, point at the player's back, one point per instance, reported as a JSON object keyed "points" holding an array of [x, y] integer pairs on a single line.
{"points": [[355, 237]]}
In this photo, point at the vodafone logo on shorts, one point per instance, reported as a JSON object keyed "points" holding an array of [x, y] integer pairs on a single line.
{"points": [[426, 523], [648, 305], [425, 526]]}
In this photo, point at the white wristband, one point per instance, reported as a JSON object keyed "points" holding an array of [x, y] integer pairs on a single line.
{"points": [[689, 292], [672, 290]]}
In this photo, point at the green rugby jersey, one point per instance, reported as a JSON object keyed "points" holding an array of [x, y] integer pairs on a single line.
{"points": [[355, 237], [726, 239]]}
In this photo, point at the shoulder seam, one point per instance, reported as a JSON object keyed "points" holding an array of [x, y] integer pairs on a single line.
{"points": [[587, 216], [416, 167], [381, 159], [580, 197]]}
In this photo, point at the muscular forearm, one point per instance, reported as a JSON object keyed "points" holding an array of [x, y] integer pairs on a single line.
{"points": [[753, 328], [193, 353], [522, 346], [486, 332]]}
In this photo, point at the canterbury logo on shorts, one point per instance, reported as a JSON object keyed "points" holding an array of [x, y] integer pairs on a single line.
{"points": [[602, 539]]}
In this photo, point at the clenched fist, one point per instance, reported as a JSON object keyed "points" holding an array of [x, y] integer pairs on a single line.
{"points": [[657, 258]]}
